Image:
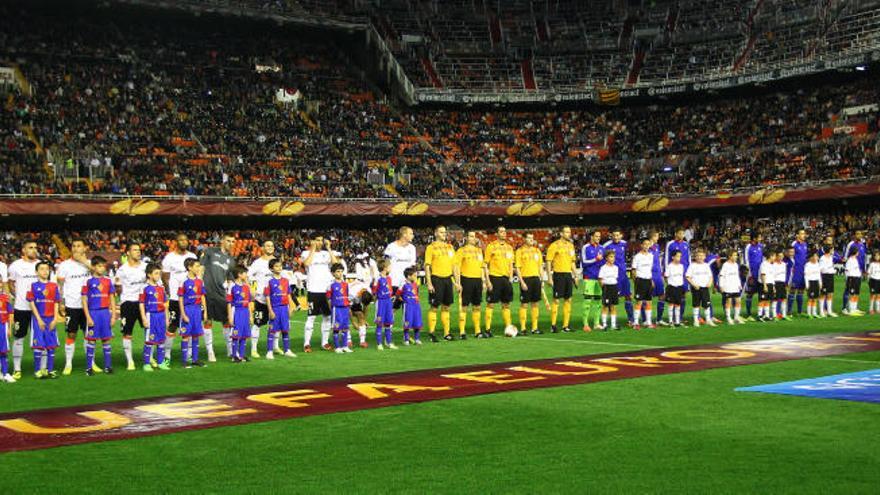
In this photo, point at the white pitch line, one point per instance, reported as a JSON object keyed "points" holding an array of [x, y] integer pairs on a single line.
{"points": [[596, 342]]}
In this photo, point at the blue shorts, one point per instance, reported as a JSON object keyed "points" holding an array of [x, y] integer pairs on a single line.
{"points": [[659, 289], [102, 329], [384, 312], [43, 339], [241, 324], [4, 343], [797, 280], [194, 327], [623, 286], [156, 329], [412, 317], [341, 318], [281, 323]]}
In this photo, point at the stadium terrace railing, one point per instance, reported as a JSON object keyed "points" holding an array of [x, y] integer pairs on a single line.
{"points": [[196, 198]]}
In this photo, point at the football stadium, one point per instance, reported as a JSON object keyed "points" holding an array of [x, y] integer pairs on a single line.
{"points": [[440, 246]]}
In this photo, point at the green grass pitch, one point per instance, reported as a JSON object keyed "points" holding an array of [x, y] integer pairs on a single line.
{"points": [[687, 432]]}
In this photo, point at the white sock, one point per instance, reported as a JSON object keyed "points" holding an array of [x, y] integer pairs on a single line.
{"points": [[325, 331], [648, 316], [209, 340], [728, 313], [169, 344], [309, 330], [708, 313], [226, 332], [696, 317], [604, 320], [255, 338], [362, 333], [68, 354], [613, 321], [17, 352], [126, 347], [737, 310]]}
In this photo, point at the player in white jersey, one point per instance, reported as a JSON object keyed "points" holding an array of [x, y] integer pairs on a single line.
{"points": [[131, 278], [71, 276], [317, 260], [173, 274], [730, 283], [360, 296], [643, 275], [22, 273], [813, 283], [853, 281], [259, 275], [827, 271], [401, 255], [699, 276], [365, 269], [674, 274]]}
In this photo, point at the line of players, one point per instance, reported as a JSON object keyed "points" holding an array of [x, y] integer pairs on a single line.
{"points": [[84, 296]]}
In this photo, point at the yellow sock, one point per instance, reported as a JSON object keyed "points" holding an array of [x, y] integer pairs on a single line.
{"points": [[554, 311], [535, 312], [432, 320], [475, 316], [444, 319], [566, 312], [462, 321], [505, 315], [523, 315], [489, 312]]}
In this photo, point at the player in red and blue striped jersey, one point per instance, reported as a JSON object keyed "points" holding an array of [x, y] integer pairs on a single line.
{"points": [[193, 311], [383, 292], [240, 308], [44, 298], [153, 303], [99, 306], [281, 300], [340, 307], [412, 310], [6, 314]]}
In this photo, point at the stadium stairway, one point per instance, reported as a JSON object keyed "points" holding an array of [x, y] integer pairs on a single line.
{"points": [[751, 36], [432, 73], [635, 67], [528, 75]]}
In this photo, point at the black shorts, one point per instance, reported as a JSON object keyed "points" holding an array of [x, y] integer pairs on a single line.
{"points": [[532, 292], [729, 295], [21, 323], [813, 289], [563, 285], [874, 285], [217, 310], [261, 313], [129, 314], [752, 285], [610, 295], [357, 307], [444, 292], [318, 305], [827, 283], [397, 301], [174, 316], [674, 295], [75, 321], [780, 291], [644, 289], [471, 291], [502, 291], [853, 286], [700, 297], [766, 292]]}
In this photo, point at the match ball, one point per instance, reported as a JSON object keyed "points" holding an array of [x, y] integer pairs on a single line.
{"points": [[510, 331]]}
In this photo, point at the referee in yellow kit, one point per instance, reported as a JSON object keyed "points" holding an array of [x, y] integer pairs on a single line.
{"points": [[438, 273], [469, 271], [561, 265], [500, 260]]}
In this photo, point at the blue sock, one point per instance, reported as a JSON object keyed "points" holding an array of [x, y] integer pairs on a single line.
{"points": [[50, 360], [628, 305], [405, 334], [242, 348], [748, 306], [417, 333], [285, 341], [336, 339], [683, 306], [642, 315], [800, 302], [388, 339], [38, 359], [661, 305], [195, 348], [160, 353], [90, 355], [4, 365], [108, 360], [378, 335], [184, 350], [711, 313], [270, 341], [346, 340], [790, 303]]}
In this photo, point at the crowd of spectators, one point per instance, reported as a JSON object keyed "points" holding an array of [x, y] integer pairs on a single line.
{"points": [[190, 108]]}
